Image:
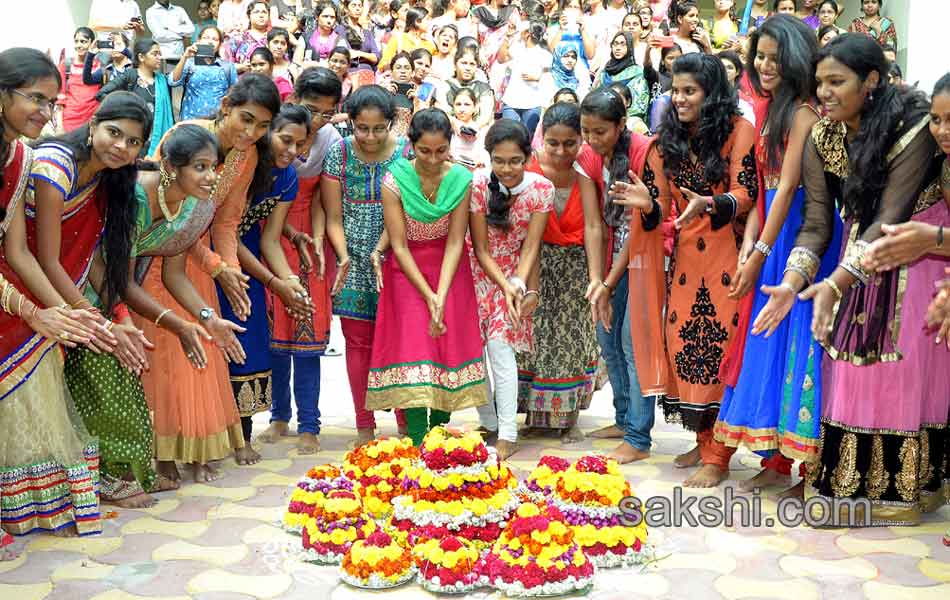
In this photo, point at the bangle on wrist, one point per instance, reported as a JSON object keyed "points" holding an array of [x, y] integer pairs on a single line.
{"points": [[219, 269], [292, 278], [160, 315], [518, 283], [940, 236], [270, 281], [834, 287], [788, 287], [536, 293], [606, 285], [764, 248]]}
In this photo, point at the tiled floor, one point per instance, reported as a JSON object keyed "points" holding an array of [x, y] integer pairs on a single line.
{"points": [[221, 542]]}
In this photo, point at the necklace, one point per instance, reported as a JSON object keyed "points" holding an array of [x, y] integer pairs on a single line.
{"points": [[170, 218]]}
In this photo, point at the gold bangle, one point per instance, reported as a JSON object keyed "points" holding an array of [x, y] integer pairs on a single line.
{"points": [[293, 278], [161, 314], [219, 269], [19, 306], [79, 303], [834, 287]]}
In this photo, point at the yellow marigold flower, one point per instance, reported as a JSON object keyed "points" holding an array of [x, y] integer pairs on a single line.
{"points": [[528, 510]]}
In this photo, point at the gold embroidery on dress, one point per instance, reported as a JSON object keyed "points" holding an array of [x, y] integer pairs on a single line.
{"points": [[808, 383], [878, 479], [926, 469], [829, 137], [803, 261], [845, 478], [246, 397], [906, 480], [901, 144]]}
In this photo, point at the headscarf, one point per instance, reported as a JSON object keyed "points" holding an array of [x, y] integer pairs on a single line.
{"points": [[562, 76], [617, 65]]}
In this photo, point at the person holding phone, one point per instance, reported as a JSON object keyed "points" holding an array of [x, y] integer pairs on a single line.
{"points": [[77, 100], [204, 76], [120, 60], [725, 27], [111, 16], [468, 143], [528, 64], [690, 36]]}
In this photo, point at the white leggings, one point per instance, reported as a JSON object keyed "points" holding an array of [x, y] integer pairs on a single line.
{"points": [[500, 413]]}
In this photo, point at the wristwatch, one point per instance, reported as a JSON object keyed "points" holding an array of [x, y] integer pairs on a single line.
{"points": [[205, 313]]}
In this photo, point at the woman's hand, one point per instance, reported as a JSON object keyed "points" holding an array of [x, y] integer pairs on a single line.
{"points": [[604, 308], [513, 298], [529, 303], [302, 243], [131, 346], [376, 259], [190, 52], [695, 208], [317, 246], [634, 194], [900, 245], [234, 285], [222, 332], [191, 337], [746, 275], [342, 268], [436, 305], [295, 298], [780, 302], [594, 291], [701, 37], [938, 313], [61, 325], [823, 309]]}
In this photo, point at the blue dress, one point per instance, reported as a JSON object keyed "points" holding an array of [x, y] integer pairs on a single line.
{"points": [[252, 380]]}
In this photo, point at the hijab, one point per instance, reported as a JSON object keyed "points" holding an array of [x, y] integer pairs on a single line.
{"points": [[562, 76], [617, 65]]}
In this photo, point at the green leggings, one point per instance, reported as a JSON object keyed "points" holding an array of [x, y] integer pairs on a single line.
{"points": [[420, 420]]}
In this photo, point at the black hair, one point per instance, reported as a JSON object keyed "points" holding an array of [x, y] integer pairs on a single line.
{"points": [[889, 48], [466, 91], [21, 67], [371, 96], [320, 8], [823, 30], [264, 52], [797, 48], [605, 103], [291, 114], [278, 32], [142, 46], [887, 111], [715, 123], [942, 86], [394, 6], [400, 56], [536, 31], [414, 17], [255, 88], [180, 145], [450, 27], [680, 8], [880, 5], [777, 2], [206, 28], [736, 62], [833, 4], [499, 201], [663, 54], [86, 32], [429, 120], [566, 90], [318, 81], [466, 42], [562, 113], [895, 71], [118, 186], [420, 53], [340, 50], [250, 7], [623, 91]]}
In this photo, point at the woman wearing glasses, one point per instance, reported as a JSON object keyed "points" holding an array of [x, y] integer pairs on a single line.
{"points": [[351, 187]]}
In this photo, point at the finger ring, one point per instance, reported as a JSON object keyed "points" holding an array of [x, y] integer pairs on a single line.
{"points": [[65, 335]]}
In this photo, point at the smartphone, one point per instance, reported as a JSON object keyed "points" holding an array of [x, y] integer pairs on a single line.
{"points": [[105, 44], [204, 54], [403, 88], [468, 131], [465, 162], [663, 41], [425, 91]]}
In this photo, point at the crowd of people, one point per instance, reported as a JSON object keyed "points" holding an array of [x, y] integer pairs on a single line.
{"points": [[740, 220]]}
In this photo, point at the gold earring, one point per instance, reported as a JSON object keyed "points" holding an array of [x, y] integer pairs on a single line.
{"points": [[165, 180]]}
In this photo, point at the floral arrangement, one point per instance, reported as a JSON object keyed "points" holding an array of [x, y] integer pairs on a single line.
{"points": [[377, 467], [536, 555], [544, 478], [308, 495], [328, 536], [443, 448], [588, 494], [377, 562], [447, 565]]}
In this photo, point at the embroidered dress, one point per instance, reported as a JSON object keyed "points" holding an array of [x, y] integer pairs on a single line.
{"points": [[49, 464], [252, 380], [408, 367], [238, 48], [361, 183], [557, 381], [886, 33], [886, 390], [195, 415], [534, 195]]}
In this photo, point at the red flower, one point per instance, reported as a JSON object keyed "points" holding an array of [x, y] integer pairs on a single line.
{"points": [[592, 464], [379, 538], [555, 463], [450, 544]]}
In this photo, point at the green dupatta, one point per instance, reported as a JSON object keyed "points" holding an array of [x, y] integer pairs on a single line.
{"points": [[451, 191]]}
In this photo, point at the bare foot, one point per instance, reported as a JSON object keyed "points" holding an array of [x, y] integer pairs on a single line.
{"points": [[247, 455], [308, 443], [706, 477], [275, 431], [505, 449], [204, 473], [687, 459], [364, 436], [625, 453], [488, 436], [129, 494], [169, 470], [609, 432], [796, 491], [572, 435], [764, 479], [164, 484], [68, 531]]}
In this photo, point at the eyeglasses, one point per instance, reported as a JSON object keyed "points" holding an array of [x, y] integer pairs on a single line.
{"points": [[515, 162], [377, 131], [39, 100], [326, 116]]}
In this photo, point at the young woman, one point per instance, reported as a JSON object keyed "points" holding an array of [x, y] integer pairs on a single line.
{"points": [[564, 71], [296, 344], [322, 39], [724, 27], [569, 29], [468, 142], [232, 17], [631, 24], [809, 14], [455, 14], [556, 381], [871, 447], [528, 61], [48, 462], [826, 33], [757, 15], [278, 42], [510, 209], [466, 70], [203, 18], [416, 35], [262, 63], [689, 34], [828, 13], [240, 45], [426, 313], [785, 7], [443, 59], [78, 99], [196, 419], [497, 20], [875, 25], [204, 83], [146, 81], [709, 168], [614, 147], [364, 51], [351, 191], [262, 258], [759, 409], [120, 59], [622, 68]]}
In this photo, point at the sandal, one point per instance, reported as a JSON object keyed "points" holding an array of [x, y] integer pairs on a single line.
{"points": [[115, 490], [164, 483]]}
